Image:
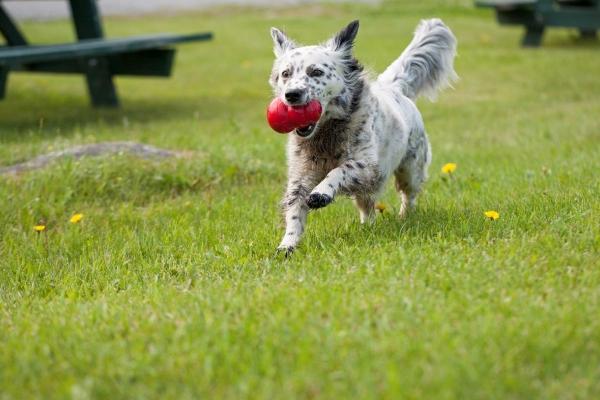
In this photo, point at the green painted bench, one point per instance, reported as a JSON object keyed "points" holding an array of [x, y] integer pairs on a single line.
{"points": [[537, 15], [94, 56]]}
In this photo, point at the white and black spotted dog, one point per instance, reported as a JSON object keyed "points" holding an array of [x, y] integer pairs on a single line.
{"points": [[368, 130]]}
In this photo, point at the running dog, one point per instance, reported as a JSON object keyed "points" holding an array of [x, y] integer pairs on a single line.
{"points": [[368, 130]]}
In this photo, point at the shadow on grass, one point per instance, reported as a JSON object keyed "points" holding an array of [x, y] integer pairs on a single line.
{"points": [[424, 225], [436, 223], [25, 118]]}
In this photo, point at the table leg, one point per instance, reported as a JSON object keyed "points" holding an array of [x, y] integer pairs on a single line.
{"points": [[88, 25], [3, 79], [588, 34], [533, 36], [100, 83], [9, 29]]}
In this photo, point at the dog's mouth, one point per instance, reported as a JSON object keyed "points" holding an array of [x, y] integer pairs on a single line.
{"points": [[305, 131]]}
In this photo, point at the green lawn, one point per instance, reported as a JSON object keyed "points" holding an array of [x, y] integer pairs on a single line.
{"points": [[169, 287]]}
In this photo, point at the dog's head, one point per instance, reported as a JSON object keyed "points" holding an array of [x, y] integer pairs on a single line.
{"points": [[326, 72]]}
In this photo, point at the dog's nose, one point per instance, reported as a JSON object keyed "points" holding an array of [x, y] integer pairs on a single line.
{"points": [[294, 96]]}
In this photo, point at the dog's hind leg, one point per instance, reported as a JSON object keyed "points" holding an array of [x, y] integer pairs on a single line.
{"points": [[407, 193], [412, 174], [409, 180], [366, 207]]}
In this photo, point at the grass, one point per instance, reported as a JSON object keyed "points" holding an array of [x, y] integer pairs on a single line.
{"points": [[169, 288]]}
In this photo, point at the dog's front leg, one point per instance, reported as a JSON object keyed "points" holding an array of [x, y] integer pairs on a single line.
{"points": [[295, 211], [352, 176]]}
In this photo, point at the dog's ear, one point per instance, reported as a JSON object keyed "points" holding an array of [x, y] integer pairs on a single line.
{"points": [[344, 40], [281, 41]]}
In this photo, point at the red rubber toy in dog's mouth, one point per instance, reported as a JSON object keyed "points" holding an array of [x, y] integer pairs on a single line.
{"points": [[283, 118]]}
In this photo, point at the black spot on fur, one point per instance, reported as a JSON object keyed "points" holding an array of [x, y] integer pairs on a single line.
{"points": [[344, 40], [356, 95], [293, 195]]}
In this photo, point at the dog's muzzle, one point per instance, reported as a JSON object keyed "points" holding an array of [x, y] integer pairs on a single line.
{"points": [[295, 97]]}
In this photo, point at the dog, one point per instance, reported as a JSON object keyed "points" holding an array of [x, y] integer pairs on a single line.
{"points": [[369, 129]]}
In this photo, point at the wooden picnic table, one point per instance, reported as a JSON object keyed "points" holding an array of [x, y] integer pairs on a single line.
{"points": [[537, 15], [94, 56]]}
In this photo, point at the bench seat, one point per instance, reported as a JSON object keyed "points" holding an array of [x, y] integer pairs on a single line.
{"points": [[97, 58], [537, 15], [149, 55], [89, 48]]}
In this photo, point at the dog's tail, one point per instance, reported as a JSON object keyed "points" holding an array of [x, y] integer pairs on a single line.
{"points": [[427, 64]]}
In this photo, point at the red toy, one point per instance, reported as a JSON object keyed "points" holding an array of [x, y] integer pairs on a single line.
{"points": [[284, 118]]}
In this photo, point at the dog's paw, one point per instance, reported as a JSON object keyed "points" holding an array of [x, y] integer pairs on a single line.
{"points": [[318, 200], [286, 251]]}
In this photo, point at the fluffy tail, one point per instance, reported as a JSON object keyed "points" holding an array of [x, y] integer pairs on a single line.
{"points": [[427, 64]]}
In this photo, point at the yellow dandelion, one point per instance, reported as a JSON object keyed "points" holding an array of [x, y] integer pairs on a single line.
{"points": [[380, 207], [39, 228], [449, 168], [76, 218], [493, 215]]}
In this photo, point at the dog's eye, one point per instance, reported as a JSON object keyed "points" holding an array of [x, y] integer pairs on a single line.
{"points": [[285, 74], [315, 73]]}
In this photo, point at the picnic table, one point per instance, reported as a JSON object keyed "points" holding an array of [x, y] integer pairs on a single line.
{"points": [[92, 55], [537, 15]]}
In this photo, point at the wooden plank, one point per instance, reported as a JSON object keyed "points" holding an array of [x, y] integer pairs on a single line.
{"points": [[9, 29], [515, 17], [504, 4], [580, 17], [153, 62], [92, 48]]}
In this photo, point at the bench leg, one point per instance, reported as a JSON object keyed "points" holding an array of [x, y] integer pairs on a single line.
{"points": [[588, 34], [88, 25], [100, 83], [9, 29], [533, 36], [3, 79]]}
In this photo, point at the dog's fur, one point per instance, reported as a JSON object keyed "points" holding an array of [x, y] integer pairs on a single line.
{"points": [[368, 130]]}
